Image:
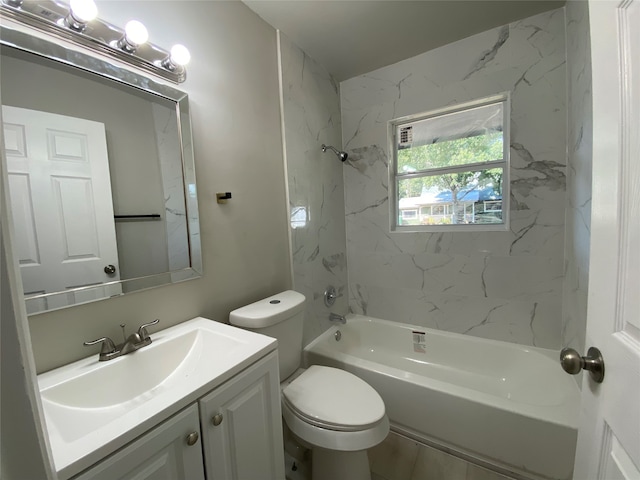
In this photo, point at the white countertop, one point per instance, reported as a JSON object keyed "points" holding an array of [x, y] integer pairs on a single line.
{"points": [[93, 408]]}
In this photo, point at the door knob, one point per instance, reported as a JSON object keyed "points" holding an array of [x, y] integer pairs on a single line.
{"points": [[110, 269], [593, 362]]}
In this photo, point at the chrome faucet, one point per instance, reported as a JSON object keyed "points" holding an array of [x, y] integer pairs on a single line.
{"points": [[133, 342], [334, 317]]}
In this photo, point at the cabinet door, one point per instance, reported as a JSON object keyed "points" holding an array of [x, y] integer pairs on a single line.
{"points": [[242, 426], [163, 453]]}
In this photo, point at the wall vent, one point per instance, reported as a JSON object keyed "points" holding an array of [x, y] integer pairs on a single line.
{"points": [[406, 135]]}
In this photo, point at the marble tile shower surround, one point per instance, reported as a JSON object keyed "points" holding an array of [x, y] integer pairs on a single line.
{"points": [[311, 117], [579, 148], [500, 285]]}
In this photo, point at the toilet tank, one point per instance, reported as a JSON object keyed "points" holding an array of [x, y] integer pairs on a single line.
{"points": [[280, 316]]}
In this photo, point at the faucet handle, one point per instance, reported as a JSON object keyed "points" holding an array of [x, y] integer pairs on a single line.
{"points": [[107, 345], [142, 330]]}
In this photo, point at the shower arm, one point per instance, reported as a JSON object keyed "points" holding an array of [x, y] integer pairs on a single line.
{"points": [[341, 155], [324, 149]]}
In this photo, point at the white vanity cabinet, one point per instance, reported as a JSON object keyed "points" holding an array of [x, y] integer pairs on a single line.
{"points": [[244, 442], [163, 452], [242, 426]]}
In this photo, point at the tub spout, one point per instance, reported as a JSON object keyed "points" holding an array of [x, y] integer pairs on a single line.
{"points": [[334, 317]]}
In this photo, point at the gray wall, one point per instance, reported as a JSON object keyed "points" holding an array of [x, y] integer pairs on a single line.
{"points": [[579, 149], [233, 88], [499, 285], [311, 117]]}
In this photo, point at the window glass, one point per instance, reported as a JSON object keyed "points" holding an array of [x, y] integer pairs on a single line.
{"points": [[452, 166], [299, 218]]}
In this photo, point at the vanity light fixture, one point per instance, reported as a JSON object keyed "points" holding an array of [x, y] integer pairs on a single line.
{"points": [[178, 58], [80, 13], [135, 34], [78, 22]]}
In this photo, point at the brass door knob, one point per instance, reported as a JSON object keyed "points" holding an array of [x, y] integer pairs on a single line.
{"points": [[217, 419], [110, 269], [593, 362]]}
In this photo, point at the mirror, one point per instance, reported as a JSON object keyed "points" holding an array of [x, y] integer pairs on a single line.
{"points": [[99, 163]]}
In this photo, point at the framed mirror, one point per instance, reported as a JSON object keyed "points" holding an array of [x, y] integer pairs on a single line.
{"points": [[100, 169]]}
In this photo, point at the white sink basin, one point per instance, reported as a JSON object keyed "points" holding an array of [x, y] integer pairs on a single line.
{"points": [[92, 408], [124, 379]]}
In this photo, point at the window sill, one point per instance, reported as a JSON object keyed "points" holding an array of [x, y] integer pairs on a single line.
{"points": [[500, 227]]}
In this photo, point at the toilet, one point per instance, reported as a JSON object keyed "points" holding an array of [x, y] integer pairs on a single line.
{"points": [[338, 415]]}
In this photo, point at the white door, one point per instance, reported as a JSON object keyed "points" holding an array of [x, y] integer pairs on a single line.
{"points": [[61, 203], [609, 434]]}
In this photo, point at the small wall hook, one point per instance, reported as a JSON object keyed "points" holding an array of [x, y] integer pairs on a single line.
{"points": [[223, 197]]}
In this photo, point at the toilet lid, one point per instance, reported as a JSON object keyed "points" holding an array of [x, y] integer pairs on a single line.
{"points": [[335, 398]]}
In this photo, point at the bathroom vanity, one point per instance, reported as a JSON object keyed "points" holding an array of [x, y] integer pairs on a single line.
{"points": [[202, 399]]}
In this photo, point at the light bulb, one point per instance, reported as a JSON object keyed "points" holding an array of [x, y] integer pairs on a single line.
{"points": [[180, 56], [83, 10], [136, 33]]}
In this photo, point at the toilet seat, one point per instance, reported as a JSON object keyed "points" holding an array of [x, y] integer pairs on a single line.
{"points": [[324, 424], [334, 409], [334, 399]]}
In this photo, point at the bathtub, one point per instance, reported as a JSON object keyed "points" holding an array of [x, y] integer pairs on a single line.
{"points": [[497, 403]]}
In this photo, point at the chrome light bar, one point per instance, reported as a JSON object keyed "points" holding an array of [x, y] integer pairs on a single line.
{"points": [[58, 19]]}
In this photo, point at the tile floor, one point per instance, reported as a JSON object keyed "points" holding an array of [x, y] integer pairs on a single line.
{"points": [[398, 458]]}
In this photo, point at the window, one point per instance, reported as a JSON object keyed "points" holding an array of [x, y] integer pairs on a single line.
{"points": [[450, 168], [299, 217]]}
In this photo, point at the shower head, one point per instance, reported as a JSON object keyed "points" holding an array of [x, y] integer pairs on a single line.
{"points": [[341, 155]]}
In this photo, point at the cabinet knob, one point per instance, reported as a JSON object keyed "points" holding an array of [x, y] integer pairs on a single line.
{"points": [[192, 438], [217, 419]]}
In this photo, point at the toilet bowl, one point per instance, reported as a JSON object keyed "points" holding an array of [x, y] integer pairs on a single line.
{"points": [[334, 412], [340, 416]]}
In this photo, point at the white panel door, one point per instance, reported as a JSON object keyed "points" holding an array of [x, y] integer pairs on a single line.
{"points": [[609, 434], [61, 203]]}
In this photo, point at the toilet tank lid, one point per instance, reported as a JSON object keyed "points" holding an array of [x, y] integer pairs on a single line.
{"points": [[268, 311]]}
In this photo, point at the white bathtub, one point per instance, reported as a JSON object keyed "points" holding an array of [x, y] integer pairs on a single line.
{"points": [[508, 405]]}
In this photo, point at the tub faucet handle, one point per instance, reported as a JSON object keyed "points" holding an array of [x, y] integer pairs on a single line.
{"points": [[330, 295]]}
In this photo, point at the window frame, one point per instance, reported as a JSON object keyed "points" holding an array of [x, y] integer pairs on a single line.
{"points": [[393, 127]]}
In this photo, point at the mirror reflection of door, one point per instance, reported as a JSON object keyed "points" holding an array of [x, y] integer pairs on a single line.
{"points": [[62, 206]]}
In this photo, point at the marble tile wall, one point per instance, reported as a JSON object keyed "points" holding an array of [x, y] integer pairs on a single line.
{"points": [[579, 148], [311, 117], [500, 285]]}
